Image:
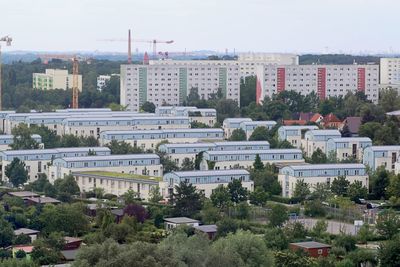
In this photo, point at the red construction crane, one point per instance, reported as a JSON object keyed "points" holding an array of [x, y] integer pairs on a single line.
{"points": [[75, 72]]}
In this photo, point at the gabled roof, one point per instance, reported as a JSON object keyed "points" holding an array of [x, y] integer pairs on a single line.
{"points": [[180, 220], [311, 244], [353, 123], [210, 228], [210, 172], [294, 122], [25, 231], [23, 194], [316, 117], [331, 118]]}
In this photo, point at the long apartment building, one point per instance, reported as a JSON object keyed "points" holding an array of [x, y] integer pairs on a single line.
{"points": [[314, 174], [249, 62], [180, 151], [207, 116], [169, 81], [390, 72], [6, 140], [386, 156], [141, 164], [324, 80], [149, 139], [54, 79], [242, 159], [37, 160], [294, 133]]}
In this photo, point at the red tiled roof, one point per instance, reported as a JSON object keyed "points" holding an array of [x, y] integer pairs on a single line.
{"points": [[316, 117], [294, 122], [331, 118]]}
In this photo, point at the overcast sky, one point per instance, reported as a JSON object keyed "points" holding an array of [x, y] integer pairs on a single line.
{"points": [[351, 26]]}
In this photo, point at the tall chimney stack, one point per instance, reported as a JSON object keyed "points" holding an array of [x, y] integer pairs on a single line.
{"points": [[129, 48]]}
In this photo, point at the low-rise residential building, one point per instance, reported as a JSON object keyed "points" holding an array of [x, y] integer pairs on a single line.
{"points": [[149, 139], [38, 160], [376, 156], [116, 183], [347, 147], [317, 139], [143, 164], [6, 140], [249, 126], [206, 181], [207, 116], [231, 124], [171, 223], [26, 231], [178, 152], [314, 174], [242, 159], [311, 248], [294, 133], [54, 79]]}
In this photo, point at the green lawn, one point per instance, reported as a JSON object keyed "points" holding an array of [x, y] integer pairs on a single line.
{"points": [[123, 175]]}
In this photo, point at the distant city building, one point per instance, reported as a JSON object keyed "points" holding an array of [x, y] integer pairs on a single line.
{"points": [[103, 79], [249, 61], [323, 80], [54, 79], [390, 72], [169, 82]]}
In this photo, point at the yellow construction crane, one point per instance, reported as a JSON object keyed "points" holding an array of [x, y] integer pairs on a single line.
{"points": [[7, 39]]}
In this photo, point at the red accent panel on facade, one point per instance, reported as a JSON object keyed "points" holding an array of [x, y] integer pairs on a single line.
{"points": [[258, 92], [321, 83], [280, 81], [361, 79]]}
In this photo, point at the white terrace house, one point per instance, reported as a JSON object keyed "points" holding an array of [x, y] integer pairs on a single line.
{"points": [[7, 140], [116, 183], [294, 133], [178, 152], [249, 126], [376, 156], [314, 174], [148, 139], [3, 116], [142, 164], [315, 139], [54, 120], [231, 124], [94, 126], [206, 181], [242, 159], [207, 116], [38, 160], [347, 147]]}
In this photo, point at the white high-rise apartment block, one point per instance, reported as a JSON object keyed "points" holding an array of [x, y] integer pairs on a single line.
{"points": [[168, 82], [390, 72], [54, 79], [324, 80], [249, 61]]}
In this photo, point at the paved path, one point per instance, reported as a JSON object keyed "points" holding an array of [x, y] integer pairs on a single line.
{"points": [[334, 227]]}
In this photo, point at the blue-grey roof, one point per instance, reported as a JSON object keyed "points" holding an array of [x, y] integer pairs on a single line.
{"points": [[54, 150], [324, 132], [112, 157], [183, 130], [239, 143], [384, 148], [210, 172], [230, 120], [351, 139], [251, 152], [326, 166], [179, 145], [298, 127]]}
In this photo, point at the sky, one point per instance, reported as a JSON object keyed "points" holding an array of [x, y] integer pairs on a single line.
{"points": [[295, 26]]}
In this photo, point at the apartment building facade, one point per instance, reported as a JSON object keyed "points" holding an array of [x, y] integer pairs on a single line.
{"points": [[169, 82], [314, 174], [317, 139], [324, 80], [54, 79], [249, 62], [390, 72], [294, 133], [386, 156], [348, 147]]}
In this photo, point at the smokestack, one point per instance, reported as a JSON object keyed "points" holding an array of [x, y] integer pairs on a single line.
{"points": [[129, 48], [145, 59]]}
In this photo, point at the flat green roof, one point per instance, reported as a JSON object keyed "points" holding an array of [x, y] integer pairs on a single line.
{"points": [[121, 175]]}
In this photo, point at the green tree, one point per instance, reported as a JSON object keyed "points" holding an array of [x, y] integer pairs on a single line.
{"points": [[155, 195], [388, 223], [250, 248], [266, 179], [369, 129], [321, 192], [6, 233], [318, 157], [259, 134], [148, 107], [319, 229], [66, 187], [301, 190], [356, 191], [130, 197], [226, 226], [237, 191], [258, 165], [389, 252], [393, 189], [379, 183], [364, 234], [258, 196], [278, 215], [220, 197], [347, 242], [23, 138], [187, 200], [276, 239], [238, 135], [340, 185], [16, 172], [187, 165], [209, 213]]}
